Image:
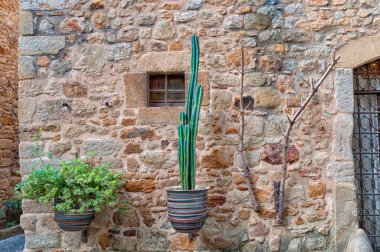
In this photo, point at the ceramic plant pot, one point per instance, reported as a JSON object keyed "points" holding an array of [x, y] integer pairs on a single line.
{"points": [[74, 221], [187, 210]]}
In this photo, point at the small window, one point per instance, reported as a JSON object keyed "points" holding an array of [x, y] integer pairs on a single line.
{"points": [[166, 90]]}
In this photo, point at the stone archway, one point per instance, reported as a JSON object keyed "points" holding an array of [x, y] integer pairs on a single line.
{"points": [[342, 168]]}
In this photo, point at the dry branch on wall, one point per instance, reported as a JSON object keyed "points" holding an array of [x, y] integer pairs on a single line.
{"points": [[244, 169], [279, 186]]}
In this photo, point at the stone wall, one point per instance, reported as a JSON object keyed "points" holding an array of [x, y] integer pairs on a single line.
{"points": [[9, 166], [83, 66]]}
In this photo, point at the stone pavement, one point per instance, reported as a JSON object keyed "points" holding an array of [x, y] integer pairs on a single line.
{"points": [[13, 244]]}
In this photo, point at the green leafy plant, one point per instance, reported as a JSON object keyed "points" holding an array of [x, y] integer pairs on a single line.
{"points": [[11, 223], [188, 127], [73, 186]]}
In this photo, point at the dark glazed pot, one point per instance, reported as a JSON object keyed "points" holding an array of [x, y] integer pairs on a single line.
{"points": [[187, 210], [75, 221]]}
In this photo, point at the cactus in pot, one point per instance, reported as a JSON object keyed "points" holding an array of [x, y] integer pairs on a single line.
{"points": [[188, 127], [187, 205]]}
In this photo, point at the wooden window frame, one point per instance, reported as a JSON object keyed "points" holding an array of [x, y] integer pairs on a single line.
{"points": [[166, 90]]}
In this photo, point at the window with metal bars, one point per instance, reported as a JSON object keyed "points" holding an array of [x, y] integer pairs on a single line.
{"points": [[166, 90], [366, 148]]}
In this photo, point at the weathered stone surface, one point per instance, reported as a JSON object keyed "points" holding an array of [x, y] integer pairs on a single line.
{"points": [[135, 90], [345, 224], [144, 133], [43, 4], [359, 242], [60, 148], [145, 186], [72, 25], [81, 109], [146, 19], [265, 97], [132, 148], [127, 218], [234, 22], [43, 240], [163, 30], [74, 89], [341, 171], [31, 88], [159, 116], [256, 21], [221, 99], [194, 4], [182, 242], [27, 108], [317, 190], [121, 243], [341, 144], [167, 62], [37, 45], [101, 147], [26, 68], [120, 52], [28, 222], [275, 243], [152, 240], [51, 110], [60, 67], [159, 160], [255, 79], [71, 240], [100, 20], [221, 157], [26, 23], [344, 89], [183, 17], [93, 60]]}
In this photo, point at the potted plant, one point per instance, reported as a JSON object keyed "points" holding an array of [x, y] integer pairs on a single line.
{"points": [[187, 204], [77, 189]]}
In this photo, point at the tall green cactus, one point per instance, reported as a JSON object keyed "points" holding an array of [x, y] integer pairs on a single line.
{"points": [[188, 127]]}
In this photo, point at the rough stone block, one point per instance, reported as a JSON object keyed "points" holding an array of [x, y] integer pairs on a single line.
{"points": [[342, 142], [171, 61], [49, 110], [342, 171], [28, 222], [136, 85], [43, 4], [265, 97], [71, 240], [26, 23], [159, 116], [163, 30], [30, 206], [221, 99], [101, 147], [30, 88], [344, 90], [43, 240], [37, 45], [345, 224], [26, 68], [26, 108]]}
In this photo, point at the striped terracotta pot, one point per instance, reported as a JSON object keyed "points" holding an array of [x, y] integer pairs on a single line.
{"points": [[187, 210], [74, 222]]}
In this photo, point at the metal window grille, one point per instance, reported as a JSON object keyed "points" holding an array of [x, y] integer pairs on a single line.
{"points": [[366, 148], [166, 90]]}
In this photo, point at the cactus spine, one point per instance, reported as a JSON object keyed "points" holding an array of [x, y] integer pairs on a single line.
{"points": [[188, 127]]}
